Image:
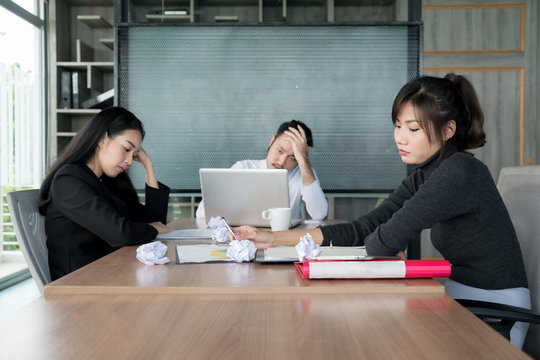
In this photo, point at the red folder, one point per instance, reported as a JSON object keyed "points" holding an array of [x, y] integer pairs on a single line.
{"points": [[376, 269]]}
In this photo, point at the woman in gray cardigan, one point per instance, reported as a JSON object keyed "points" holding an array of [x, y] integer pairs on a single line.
{"points": [[436, 121]]}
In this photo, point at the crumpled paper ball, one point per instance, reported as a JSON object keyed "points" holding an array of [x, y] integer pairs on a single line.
{"points": [[216, 222], [152, 253], [307, 248], [220, 234], [241, 250]]}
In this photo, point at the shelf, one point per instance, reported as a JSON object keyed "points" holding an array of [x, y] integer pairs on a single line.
{"points": [[84, 65], [158, 18], [78, 111], [94, 21], [94, 71], [90, 2], [158, 2], [83, 43], [226, 18], [108, 43]]}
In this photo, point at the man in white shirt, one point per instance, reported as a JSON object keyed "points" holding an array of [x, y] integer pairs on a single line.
{"points": [[288, 149]]}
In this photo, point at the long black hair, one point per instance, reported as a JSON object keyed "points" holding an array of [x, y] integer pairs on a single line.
{"points": [[436, 101], [112, 122]]}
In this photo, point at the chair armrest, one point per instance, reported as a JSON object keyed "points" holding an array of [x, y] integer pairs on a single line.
{"points": [[484, 309]]}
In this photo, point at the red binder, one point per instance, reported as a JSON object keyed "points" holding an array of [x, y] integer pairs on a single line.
{"points": [[375, 269]]}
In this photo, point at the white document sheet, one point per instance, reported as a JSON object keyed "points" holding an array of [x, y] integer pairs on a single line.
{"points": [[186, 234], [289, 253]]}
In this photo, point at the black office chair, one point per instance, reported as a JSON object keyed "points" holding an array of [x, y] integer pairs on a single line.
{"points": [[500, 317], [29, 228], [520, 190]]}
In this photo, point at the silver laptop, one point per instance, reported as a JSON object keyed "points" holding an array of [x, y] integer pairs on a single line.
{"points": [[241, 195]]}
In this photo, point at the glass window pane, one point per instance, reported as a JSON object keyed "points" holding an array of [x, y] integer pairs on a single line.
{"points": [[21, 101], [28, 5], [22, 115]]}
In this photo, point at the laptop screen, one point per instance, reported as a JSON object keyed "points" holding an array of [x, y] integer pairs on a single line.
{"points": [[241, 195]]}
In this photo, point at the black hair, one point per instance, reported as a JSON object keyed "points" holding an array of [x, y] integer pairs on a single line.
{"points": [[112, 122], [436, 101], [295, 124]]}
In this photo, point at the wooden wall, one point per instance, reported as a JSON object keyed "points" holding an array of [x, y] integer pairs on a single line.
{"points": [[494, 44]]}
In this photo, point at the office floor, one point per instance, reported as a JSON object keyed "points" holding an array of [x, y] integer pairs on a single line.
{"points": [[17, 296]]}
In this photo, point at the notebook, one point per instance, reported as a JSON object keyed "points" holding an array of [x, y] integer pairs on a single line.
{"points": [[379, 269], [241, 195]]}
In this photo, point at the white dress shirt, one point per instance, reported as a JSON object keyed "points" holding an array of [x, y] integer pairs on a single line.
{"points": [[312, 195]]}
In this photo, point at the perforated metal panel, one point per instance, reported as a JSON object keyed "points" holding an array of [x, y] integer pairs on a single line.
{"points": [[212, 95]]}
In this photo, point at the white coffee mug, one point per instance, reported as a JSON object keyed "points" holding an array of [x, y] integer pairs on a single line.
{"points": [[280, 218]]}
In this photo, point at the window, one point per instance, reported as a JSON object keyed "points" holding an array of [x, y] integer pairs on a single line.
{"points": [[29, 5], [22, 106]]}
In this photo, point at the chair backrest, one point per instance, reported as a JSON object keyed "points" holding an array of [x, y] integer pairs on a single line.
{"points": [[520, 190], [29, 227]]}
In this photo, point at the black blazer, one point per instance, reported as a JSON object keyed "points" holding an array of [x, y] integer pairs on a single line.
{"points": [[85, 221]]}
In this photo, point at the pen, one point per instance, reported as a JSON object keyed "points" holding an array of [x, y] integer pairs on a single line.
{"points": [[228, 227]]}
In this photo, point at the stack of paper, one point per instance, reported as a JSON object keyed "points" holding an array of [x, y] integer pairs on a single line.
{"points": [[289, 254]]}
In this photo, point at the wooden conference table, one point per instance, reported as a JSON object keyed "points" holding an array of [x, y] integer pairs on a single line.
{"points": [[121, 273], [118, 308]]}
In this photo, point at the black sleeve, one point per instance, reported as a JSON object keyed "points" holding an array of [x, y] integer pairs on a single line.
{"points": [[80, 202], [354, 232], [447, 193], [155, 207], [157, 201]]}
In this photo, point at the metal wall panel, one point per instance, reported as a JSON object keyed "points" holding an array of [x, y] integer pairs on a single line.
{"points": [[211, 95]]}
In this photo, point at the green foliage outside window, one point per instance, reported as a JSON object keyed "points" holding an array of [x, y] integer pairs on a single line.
{"points": [[9, 240]]}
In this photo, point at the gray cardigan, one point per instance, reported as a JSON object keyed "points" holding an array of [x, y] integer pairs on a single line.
{"points": [[457, 198]]}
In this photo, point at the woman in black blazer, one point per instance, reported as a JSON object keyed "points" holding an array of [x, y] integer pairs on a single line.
{"points": [[89, 203]]}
